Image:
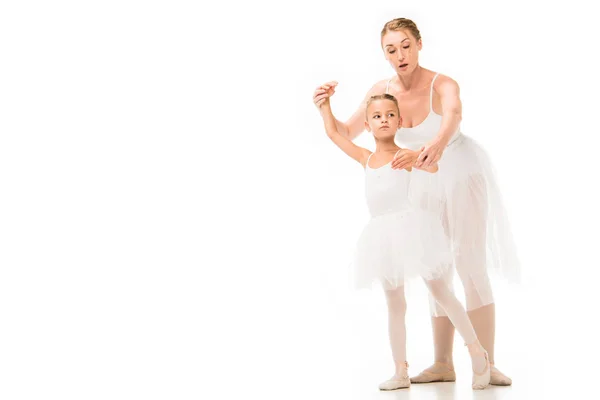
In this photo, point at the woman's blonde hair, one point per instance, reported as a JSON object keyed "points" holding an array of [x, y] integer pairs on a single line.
{"points": [[399, 24]]}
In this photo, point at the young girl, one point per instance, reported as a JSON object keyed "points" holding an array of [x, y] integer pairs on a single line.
{"points": [[401, 241]]}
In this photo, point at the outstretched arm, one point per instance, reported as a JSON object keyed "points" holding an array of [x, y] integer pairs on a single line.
{"points": [[355, 125], [358, 153], [449, 93]]}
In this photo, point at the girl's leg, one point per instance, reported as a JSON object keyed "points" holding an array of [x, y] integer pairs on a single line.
{"points": [[396, 303]]}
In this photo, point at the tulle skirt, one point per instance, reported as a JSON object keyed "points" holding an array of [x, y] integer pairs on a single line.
{"points": [[465, 197], [398, 246]]}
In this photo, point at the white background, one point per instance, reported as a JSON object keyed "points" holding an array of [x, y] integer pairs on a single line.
{"points": [[174, 223]]}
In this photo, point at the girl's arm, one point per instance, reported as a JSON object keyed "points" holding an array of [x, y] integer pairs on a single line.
{"points": [[356, 124], [358, 153]]}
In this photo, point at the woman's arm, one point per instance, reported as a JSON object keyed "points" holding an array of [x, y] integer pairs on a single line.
{"points": [[358, 153], [433, 168], [449, 93]]}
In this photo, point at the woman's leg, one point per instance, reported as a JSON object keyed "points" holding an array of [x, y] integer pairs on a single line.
{"points": [[471, 267], [481, 312], [442, 369], [462, 323], [443, 340], [454, 309]]}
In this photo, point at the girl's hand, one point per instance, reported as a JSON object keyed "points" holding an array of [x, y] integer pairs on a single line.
{"points": [[431, 154], [405, 159], [324, 92]]}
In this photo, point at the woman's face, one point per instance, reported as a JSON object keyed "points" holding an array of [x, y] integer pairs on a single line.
{"points": [[401, 49]]}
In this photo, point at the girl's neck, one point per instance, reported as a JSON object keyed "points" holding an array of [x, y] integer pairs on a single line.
{"points": [[386, 147]]}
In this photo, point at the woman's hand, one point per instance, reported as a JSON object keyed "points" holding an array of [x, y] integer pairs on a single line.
{"points": [[431, 154], [324, 92], [405, 159]]}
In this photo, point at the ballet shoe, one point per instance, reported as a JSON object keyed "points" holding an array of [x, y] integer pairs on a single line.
{"points": [[401, 382], [498, 378], [431, 377], [481, 380]]}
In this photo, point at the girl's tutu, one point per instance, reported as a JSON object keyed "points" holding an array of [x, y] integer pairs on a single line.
{"points": [[396, 246]]}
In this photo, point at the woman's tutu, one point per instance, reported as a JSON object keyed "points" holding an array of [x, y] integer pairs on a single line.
{"points": [[398, 246], [465, 196]]}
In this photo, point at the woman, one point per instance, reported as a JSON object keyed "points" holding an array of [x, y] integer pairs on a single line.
{"points": [[463, 192]]}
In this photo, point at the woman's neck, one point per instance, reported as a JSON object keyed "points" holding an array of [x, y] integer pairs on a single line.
{"points": [[408, 82]]}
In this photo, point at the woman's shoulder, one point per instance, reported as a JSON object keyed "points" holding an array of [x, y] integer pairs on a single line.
{"points": [[443, 82], [379, 87]]}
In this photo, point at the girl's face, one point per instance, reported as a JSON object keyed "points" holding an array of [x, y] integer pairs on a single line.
{"points": [[401, 49], [383, 119]]}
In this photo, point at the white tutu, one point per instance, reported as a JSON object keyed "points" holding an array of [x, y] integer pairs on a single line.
{"points": [[398, 246], [465, 196]]}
